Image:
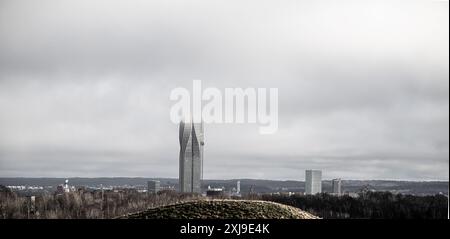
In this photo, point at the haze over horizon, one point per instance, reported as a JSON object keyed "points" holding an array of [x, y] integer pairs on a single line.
{"points": [[363, 87], [230, 179]]}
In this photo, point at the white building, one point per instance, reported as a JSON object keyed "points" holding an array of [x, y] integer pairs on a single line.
{"points": [[238, 187], [313, 182], [66, 186], [336, 185]]}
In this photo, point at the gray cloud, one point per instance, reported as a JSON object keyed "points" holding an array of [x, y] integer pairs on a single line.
{"points": [[363, 86]]}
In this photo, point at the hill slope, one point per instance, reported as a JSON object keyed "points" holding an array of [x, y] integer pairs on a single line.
{"points": [[223, 209]]}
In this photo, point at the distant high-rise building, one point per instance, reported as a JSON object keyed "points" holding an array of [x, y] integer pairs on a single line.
{"points": [[191, 156], [336, 185], [238, 187], [153, 186], [66, 186], [313, 182]]}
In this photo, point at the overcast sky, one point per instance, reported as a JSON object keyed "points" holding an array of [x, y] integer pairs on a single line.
{"points": [[363, 86]]}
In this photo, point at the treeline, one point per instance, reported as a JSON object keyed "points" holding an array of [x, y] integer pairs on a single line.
{"points": [[113, 203], [84, 204], [371, 205]]}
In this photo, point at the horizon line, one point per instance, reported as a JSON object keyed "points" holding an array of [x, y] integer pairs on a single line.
{"points": [[226, 179]]}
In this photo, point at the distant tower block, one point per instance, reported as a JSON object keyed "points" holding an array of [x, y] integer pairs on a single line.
{"points": [[336, 185], [153, 186], [238, 187], [66, 186], [191, 156], [313, 182]]}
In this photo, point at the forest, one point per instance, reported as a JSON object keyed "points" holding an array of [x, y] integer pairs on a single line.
{"points": [[84, 204], [104, 204], [368, 205]]}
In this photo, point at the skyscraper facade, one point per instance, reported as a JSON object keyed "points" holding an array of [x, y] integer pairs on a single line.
{"points": [[191, 156], [336, 185], [153, 186], [313, 182]]}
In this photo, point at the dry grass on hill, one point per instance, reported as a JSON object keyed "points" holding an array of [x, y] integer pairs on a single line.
{"points": [[223, 209]]}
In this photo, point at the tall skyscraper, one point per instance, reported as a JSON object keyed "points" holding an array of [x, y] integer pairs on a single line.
{"points": [[313, 182], [191, 156], [336, 185]]}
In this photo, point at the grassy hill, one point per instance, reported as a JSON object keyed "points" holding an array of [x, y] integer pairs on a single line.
{"points": [[223, 209]]}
